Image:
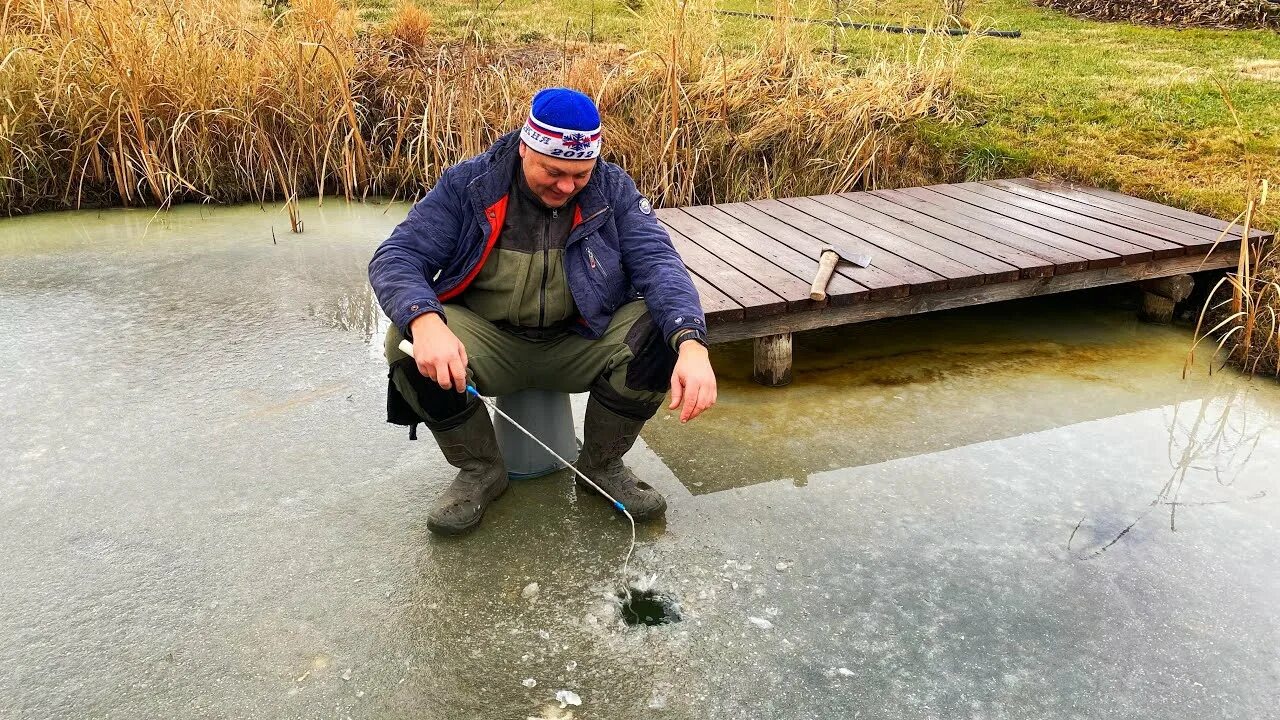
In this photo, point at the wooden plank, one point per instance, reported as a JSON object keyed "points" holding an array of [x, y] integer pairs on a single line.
{"points": [[896, 307], [1111, 217], [756, 300], [1076, 193], [879, 282], [716, 306], [1025, 264], [1160, 248], [917, 279], [1172, 212], [991, 200], [1060, 261], [991, 269], [841, 290], [956, 273], [1096, 256], [785, 285], [1092, 256]]}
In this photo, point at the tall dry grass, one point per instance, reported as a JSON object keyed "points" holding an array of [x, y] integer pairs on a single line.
{"points": [[148, 102], [151, 102], [954, 9], [1240, 319]]}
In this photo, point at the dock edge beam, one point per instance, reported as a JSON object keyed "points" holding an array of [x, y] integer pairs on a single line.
{"points": [[946, 299]]}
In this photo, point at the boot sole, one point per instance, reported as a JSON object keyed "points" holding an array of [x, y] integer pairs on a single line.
{"points": [[638, 517], [493, 494]]}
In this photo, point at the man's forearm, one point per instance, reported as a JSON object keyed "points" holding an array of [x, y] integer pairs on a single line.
{"points": [[424, 322], [692, 346]]}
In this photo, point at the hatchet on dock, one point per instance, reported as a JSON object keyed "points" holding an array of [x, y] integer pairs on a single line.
{"points": [[831, 255]]}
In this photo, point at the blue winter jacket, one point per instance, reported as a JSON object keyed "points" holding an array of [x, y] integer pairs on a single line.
{"points": [[615, 253]]}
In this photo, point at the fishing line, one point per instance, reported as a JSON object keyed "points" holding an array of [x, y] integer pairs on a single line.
{"points": [[407, 348]]}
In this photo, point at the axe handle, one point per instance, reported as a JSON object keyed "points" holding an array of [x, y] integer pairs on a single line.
{"points": [[826, 266]]}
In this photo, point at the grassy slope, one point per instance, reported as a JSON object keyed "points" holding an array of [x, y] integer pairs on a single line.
{"points": [[1125, 106], [1132, 106]]}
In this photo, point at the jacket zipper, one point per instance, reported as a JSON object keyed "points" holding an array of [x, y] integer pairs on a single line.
{"points": [[546, 252], [596, 265], [592, 263], [592, 216]]}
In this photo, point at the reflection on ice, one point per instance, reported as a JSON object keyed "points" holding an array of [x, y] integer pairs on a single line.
{"points": [[1210, 444]]}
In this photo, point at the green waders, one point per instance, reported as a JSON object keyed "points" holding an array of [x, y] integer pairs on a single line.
{"points": [[627, 372]]}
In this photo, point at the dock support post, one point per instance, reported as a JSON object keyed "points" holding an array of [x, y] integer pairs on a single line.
{"points": [[772, 360], [1161, 295]]}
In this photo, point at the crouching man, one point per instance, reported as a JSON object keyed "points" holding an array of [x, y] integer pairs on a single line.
{"points": [[538, 265]]}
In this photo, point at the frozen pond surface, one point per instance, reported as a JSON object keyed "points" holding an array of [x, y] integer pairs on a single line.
{"points": [[203, 514]]}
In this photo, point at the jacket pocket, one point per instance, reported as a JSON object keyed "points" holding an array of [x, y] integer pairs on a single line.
{"points": [[604, 268]]}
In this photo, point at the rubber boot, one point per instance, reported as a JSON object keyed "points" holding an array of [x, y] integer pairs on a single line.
{"points": [[482, 475], [608, 436]]}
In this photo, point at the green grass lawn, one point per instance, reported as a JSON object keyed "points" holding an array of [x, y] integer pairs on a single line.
{"points": [[1137, 108]]}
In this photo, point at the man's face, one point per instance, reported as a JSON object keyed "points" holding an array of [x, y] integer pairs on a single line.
{"points": [[554, 180]]}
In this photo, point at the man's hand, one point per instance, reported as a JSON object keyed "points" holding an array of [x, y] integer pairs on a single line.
{"points": [[693, 383], [438, 352]]}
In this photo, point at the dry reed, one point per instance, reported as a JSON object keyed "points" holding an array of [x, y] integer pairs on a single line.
{"points": [[1247, 320], [151, 102], [1244, 306]]}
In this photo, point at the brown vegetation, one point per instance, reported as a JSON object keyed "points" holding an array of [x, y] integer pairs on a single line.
{"points": [[151, 102], [1184, 13], [1241, 317]]}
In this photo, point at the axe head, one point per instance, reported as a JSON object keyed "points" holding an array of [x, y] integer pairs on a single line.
{"points": [[850, 255]]}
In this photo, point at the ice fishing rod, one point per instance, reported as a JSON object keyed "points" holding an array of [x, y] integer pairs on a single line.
{"points": [[407, 348]]}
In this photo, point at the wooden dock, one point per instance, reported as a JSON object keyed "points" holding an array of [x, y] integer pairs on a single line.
{"points": [[931, 248]]}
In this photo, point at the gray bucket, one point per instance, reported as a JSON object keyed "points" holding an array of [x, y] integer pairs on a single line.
{"points": [[544, 413]]}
